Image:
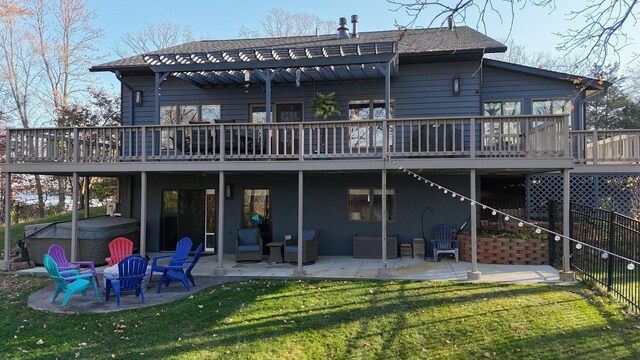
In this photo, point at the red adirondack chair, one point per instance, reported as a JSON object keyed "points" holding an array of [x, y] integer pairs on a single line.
{"points": [[119, 248]]}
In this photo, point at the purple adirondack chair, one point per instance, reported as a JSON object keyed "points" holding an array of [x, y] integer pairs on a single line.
{"points": [[57, 253]]}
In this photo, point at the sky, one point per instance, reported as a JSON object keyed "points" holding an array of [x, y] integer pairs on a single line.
{"points": [[533, 26]]}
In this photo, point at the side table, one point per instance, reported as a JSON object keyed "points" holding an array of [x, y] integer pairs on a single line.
{"points": [[275, 252]]}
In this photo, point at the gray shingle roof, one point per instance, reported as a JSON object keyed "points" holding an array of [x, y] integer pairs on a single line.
{"points": [[434, 41]]}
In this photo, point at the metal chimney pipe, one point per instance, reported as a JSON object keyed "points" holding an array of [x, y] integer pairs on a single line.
{"points": [[343, 30], [354, 21]]}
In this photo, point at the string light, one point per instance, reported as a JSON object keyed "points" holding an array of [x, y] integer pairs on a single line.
{"points": [[604, 254]]}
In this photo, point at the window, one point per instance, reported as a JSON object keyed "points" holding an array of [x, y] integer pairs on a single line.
{"points": [[366, 204], [549, 107], [185, 114], [285, 112], [363, 110], [502, 108]]}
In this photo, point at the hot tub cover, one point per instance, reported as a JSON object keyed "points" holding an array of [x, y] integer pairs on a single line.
{"points": [[92, 228]]}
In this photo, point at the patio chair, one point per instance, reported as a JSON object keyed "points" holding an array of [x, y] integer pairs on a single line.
{"points": [[69, 281], [119, 248], [249, 245], [131, 271], [58, 255], [443, 242], [183, 247], [310, 240], [179, 273]]}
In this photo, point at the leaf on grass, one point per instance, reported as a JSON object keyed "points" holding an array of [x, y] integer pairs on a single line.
{"points": [[40, 342]]}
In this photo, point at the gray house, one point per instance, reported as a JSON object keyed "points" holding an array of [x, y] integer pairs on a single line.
{"points": [[220, 135]]}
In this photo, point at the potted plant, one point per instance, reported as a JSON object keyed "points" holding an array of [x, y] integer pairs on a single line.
{"points": [[323, 106]]}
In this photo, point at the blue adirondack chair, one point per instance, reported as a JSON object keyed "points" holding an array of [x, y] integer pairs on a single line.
{"points": [[183, 273], [131, 271], [443, 242], [179, 257], [72, 284]]}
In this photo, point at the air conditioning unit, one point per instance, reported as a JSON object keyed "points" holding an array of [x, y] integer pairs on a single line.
{"points": [[111, 208]]}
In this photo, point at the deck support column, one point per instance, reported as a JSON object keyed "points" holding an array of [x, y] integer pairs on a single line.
{"points": [[566, 274], [299, 272], [266, 76], [74, 218], [384, 272], [7, 220], [87, 179], [474, 274], [143, 213], [220, 270]]}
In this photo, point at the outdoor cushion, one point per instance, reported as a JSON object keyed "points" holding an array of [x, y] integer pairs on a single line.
{"points": [[308, 234], [291, 249], [248, 237], [248, 248]]}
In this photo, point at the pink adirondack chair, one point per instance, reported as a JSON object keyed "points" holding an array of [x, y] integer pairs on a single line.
{"points": [[57, 253], [119, 248]]}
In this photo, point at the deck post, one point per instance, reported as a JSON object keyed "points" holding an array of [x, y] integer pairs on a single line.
{"points": [[566, 274], [87, 179], [474, 274], [7, 219], [74, 218], [220, 270], [299, 272], [143, 213], [384, 272]]}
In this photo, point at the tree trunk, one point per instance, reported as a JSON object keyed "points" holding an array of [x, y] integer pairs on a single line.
{"points": [[61, 194], [40, 197]]}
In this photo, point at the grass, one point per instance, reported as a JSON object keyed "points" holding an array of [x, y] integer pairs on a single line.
{"points": [[17, 230], [277, 319]]}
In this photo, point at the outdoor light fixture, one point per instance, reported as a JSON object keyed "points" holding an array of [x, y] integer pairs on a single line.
{"points": [[228, 191], [298, 78], [138, 97], [456, 85]]}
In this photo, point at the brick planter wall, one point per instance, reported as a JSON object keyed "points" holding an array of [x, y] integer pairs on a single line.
{"points": [[494, 250]]}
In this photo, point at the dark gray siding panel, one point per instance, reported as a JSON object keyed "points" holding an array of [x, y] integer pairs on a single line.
{"points": [[325, 205], [507, 85], [418, 91]]}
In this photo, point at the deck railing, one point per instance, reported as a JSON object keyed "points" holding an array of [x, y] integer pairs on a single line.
{"points": [[471, 137], [601, 147]]}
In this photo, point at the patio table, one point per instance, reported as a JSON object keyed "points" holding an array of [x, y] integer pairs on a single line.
{"points": [[275, 252]]}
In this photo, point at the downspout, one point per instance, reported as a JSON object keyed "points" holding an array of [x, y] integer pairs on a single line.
{"points": [[130, 88]]}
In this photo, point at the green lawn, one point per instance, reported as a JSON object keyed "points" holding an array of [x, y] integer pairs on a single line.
{"points": [[276, 319], [17, 230]]}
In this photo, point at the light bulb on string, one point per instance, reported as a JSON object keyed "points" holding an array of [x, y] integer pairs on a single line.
{"points": [[578, 246], [484, 207], [431, 184], [506, 218], [461, 198], [494, 213], [631, 266], [605, 255], [473, 203], [453, 195], [538, 231], [446, 191], [557, 238], [520, 224]]}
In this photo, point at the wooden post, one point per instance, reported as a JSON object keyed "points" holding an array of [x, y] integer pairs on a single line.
{"points": [[74, 218], [299, 270], [143, 213], [7, 217], [566, 274], [220, 270], [474, 274]]}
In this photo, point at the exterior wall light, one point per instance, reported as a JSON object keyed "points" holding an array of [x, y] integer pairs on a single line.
{"points": [[228, 191], [138, 97], [456, 85]]}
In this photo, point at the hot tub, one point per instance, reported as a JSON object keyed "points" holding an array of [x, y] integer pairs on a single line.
{"points": [[94, 236]]}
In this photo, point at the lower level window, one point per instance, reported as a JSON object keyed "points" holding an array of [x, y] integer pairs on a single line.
{"points": [[365, 204]]}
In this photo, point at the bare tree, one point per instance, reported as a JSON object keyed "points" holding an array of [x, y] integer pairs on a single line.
{"points": [[599, 37], [279, 23], [65, 39], [152, 37], [18, 69]]}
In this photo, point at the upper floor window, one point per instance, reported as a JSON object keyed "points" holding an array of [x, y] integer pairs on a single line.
{"points": [[502, 108], [363, 110], [551, 107]]}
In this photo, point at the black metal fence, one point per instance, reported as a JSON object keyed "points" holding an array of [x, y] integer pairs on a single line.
{"points": [[615, 234]]}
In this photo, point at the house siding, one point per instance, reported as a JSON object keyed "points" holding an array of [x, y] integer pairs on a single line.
{"points": [[500, 84], [325, 205]]}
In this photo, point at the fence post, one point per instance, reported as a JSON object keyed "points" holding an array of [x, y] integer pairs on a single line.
{"points": [[551, 208], [610, 249]]}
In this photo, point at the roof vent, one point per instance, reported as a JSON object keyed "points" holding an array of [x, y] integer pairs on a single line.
{"points": [[354, 21], [343, 30]]}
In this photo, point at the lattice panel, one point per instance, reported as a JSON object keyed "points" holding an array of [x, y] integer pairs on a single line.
{"points": [[598, 190]]}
